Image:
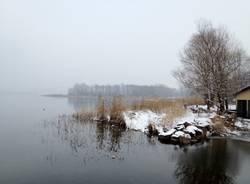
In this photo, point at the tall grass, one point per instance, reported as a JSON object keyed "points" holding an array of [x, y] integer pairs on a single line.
{"points": [[159, 105], [116, 110], [101, 110], [194, 100], [173, 108]]}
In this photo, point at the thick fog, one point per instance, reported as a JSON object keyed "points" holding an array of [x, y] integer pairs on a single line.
{"points": [[47, 46]]}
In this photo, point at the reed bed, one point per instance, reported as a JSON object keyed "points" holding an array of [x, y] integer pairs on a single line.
{"points": [[173, 108]]}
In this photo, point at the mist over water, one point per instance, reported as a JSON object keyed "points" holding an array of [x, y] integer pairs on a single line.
{"points": [[48, 46]]}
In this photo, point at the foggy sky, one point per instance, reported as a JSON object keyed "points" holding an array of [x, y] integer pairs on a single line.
{"points": [[49, 45]]}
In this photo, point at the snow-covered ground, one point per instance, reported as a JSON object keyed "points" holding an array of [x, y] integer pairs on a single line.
{"points": [[139, 120], [243, 123]]}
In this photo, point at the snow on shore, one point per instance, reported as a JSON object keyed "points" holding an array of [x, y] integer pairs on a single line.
{"points": [[243, 123], [192, 127], [139, 120]]}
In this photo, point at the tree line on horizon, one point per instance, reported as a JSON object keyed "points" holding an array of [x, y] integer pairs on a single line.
{"points": [[129, 90]]}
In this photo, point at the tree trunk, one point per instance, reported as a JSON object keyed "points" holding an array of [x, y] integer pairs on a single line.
{"points": [[221, 104], [226, 103]]}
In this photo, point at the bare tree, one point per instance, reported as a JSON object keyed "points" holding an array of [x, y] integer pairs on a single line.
{"points": [[211, 63]]}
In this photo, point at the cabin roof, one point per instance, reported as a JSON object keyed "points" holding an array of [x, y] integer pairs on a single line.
{"points": [[242, 90]]}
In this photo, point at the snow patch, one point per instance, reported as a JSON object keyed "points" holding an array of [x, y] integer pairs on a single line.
{"points": [[139, 120]]}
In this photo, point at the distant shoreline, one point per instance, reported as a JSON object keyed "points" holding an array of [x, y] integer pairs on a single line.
{"points": [[67, 96]]}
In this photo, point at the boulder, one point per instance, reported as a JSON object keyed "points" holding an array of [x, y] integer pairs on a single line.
{"points": [[179, 127], [152, 130], [166, 136], [186, 124], [186, 139]]}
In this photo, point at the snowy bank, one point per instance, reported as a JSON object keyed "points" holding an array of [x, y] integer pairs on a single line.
{"points": [[189, 128], [140, 120]]}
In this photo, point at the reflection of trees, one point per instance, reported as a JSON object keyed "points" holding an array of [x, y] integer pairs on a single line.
{"points": [[101, 135], [89, 136], [215, 163], [115, 137], [108, 137]]}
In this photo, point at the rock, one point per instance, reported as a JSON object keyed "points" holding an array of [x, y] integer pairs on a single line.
{"points": [[186, 124], [193, 130], [152, 130], [186, 139], [169, 132], [186, 133], [166, 136], [179, 127], [178, 134], [165, 129], [164, 139]]}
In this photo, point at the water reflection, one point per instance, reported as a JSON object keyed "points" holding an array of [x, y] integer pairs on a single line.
{"points": [[83, 103], [92, 140], [110, 135], [216, 162]]}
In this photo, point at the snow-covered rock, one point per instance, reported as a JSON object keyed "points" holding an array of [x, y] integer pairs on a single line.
{"points": [[192, 129], [178, 134], [187, 136], [168, 133], [180, 127], [187, 129]]}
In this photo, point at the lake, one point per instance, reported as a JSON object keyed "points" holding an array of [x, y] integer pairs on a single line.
{"points": [[40, 143]]}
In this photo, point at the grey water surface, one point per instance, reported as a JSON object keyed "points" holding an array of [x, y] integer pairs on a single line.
{"points": [[40, 143]]}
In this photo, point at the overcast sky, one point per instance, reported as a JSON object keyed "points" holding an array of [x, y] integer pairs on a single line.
{"points": [[49, 45]]}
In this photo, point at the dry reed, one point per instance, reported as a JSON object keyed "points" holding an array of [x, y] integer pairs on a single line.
{"points": [[116, 111], [101, 110]]}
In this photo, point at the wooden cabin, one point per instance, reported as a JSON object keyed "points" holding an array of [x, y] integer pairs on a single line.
{"points": [[243, 102]]}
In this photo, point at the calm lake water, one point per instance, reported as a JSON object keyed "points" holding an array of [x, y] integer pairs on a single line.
{"points": [[39, 144]]}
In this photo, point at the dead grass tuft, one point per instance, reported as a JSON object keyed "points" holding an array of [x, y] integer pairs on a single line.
{"points": [[218, 124], [193, 101], [116, 110], [176, 110], [155, 105], [101, 110]]}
